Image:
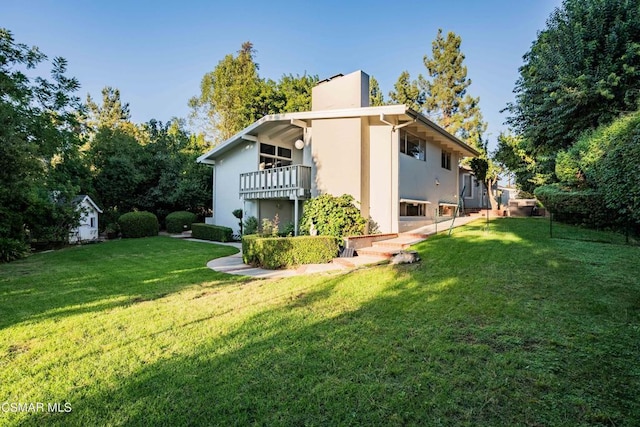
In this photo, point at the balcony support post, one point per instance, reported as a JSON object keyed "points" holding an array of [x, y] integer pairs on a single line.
{"points": [[295, 215]]}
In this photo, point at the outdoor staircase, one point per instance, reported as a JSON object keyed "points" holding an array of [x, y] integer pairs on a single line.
{"points": [[388, 248]]}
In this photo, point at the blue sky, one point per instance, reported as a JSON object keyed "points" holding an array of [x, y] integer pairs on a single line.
{"points": [[157, 52]]}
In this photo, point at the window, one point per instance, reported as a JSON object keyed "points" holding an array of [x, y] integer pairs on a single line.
{"points": [[93, 221], [412, 209], [467, 180], [446, 160], [412, 146], [272, 156]]}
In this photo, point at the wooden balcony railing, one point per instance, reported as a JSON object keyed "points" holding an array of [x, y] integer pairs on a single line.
{"points": [[283, 182]]}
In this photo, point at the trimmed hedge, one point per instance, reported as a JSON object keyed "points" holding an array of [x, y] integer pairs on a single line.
{"points": [[177, 222], [283, 252], [581, 207], [138, 224], [216, 233]]}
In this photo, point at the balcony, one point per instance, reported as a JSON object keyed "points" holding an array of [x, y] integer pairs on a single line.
{"points": [[287, 182]]}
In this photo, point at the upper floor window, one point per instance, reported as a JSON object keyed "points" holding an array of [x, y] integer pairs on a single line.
{"points": [[446, 160], [272, 156], [412, 146]]}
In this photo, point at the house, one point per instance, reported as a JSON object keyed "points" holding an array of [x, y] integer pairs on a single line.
{"points": [[87, 228], [474, 192], [399, 166]]}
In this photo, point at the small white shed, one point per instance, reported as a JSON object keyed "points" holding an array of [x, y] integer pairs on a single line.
{"points": [[87, 229]]}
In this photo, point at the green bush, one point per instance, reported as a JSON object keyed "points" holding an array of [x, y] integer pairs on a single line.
{"points": [[211, 232], [333, 216], [283, 252], [581, 207], [11, 250], [138, 224], [250, 225], [177, 222]]}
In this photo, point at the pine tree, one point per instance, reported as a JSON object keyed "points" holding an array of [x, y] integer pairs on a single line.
{"points": [[446, 98], [376, 98], [406, 91]]}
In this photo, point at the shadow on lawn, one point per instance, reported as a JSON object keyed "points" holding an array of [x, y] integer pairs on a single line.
{"points": [[433, 346], [101, 277]]}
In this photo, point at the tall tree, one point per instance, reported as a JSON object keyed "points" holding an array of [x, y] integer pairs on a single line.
{"points": [[583, 70], [445, 89], [406, 91], [110, 113], [228, 92], [37, 140], [376, 98]]}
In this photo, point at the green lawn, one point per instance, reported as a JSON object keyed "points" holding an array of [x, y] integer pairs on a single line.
{"points": [[494, 327]]}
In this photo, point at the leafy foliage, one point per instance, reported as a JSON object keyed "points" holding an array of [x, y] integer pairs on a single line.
{"points": [[283, 252], [580, 207], [177, 222], [11, 250], [138, 224], [406, 91], [376, 98], [250, 225], [581, 72], [333, 216], [39, 149], [606, 161], [233, 95], [216, 233]]}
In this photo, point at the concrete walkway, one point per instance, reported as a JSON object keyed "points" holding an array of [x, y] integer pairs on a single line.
{"points": [[233, 264]]}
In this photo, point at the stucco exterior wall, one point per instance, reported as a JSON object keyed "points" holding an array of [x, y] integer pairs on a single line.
{"points": [[284, 209], [350, 91], [227, 170], [383, 188], [336, 154]]}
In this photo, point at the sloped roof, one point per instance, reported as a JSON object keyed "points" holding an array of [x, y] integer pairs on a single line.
{"points": [[77, 200], [388, 114]]}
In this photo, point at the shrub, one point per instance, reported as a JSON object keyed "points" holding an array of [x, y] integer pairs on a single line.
{"points": [[283, 252], [138, 224], [11, 250], [581, 207], [250, 225], [333, 216], [177, 222], [216, 233], [238, 214]]}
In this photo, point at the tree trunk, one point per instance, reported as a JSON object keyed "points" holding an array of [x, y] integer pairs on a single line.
{"points": [[492, 201]]}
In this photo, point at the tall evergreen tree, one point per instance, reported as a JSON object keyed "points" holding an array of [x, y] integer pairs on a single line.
{"points": [[445, 89], [376, 98], [406, 91]]}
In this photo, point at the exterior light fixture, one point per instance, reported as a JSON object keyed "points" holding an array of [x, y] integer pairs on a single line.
{"points": [[299, 144]]}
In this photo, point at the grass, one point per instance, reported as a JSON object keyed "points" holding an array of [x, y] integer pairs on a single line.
{"points": [[495, 327]]}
